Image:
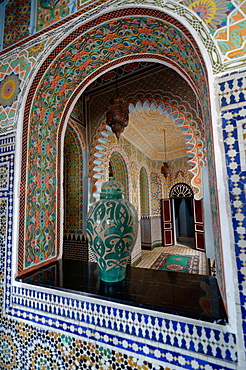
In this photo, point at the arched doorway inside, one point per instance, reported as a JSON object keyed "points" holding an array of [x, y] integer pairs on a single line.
{"points": [[182, 218], [183, 214]]}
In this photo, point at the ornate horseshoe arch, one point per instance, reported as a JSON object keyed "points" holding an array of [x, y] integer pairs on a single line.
{"points": [[188, 122], [185, 118], [117, 37]]}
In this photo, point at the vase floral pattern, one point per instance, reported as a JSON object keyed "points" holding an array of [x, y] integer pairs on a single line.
{"points": [[112, 226]]}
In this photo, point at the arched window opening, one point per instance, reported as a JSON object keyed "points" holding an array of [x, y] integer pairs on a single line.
{"points": [[144, 192], [169, 111]]}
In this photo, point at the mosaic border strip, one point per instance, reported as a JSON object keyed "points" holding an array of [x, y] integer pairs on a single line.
{"points": [[57, 346], [126, 342], [145, 326]]}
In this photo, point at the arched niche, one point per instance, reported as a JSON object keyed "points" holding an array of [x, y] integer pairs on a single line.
{"points": [[144, 192], [156, 193], [73, 183], [119, 171]]}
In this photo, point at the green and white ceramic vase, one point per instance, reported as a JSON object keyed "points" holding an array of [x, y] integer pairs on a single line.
{"points": [[112, 228]]}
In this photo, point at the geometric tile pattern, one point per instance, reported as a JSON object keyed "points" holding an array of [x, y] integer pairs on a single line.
{"points": [[120, 171], [232, 89], [14, 70], [3, 225], [135, 185], [25, 347], [156, 231], [7, 158], [119, 326], [4, 176], [233, 125], [233, 47], [145, 232], [10, 87]]}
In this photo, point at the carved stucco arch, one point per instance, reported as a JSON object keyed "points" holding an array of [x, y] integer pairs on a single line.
{"points": [[186, 119], [54, 91]]}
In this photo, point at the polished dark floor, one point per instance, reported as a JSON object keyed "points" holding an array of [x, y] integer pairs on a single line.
{"points": [[193, 296]]}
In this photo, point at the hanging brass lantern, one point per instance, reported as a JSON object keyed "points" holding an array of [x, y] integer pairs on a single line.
{"points": [[165, 169], [117, 115]]}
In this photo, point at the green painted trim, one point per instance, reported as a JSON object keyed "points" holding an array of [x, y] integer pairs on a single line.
{"points": [[157, 245], [151, 246]]}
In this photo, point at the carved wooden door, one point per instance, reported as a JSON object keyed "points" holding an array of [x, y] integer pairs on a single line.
{"points": [[166, 222], [198, 224]]}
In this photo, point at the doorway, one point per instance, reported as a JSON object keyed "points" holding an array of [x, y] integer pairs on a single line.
{"points": [[182, 218], [184, 222]]}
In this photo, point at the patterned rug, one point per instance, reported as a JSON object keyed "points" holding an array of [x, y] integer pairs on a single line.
{"points": [[178, 263]]}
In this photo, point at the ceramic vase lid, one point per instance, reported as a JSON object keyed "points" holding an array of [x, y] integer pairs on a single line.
{"points": [[111, 189]]}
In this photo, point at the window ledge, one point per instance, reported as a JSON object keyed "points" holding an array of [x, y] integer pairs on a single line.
{"points": [[189, 295]]}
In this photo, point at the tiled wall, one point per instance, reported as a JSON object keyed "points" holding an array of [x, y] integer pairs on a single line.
{"points": [[233, 116]]}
